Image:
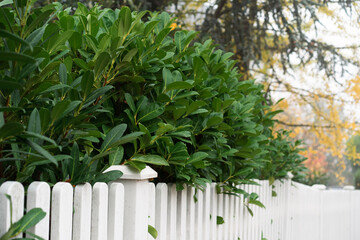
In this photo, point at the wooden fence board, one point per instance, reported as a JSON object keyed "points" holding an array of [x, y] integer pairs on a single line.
{"points": [[39, 197], [116, 211]]}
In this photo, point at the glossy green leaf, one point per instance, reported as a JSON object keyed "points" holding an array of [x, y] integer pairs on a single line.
{"points": [[127, 138], [101, 63], [162, 34], [42, 151], [150, 159], [130, 55], [29, 220], [34, 124], [5, 2], [219, 220], [11, 129], [150, 112], [178, 85], [87, 82], [62, 73], [113, 136], [13, 56], [63, 37], [13, 37], [108, 176], [59, 109], [75, 40], [9, 85], [116, 157], [81, 63], [38, 21], [152, 231], [196, 157], [130, 102]]}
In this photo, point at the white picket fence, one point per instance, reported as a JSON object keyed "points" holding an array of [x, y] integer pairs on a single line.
{"points": [[125, 208]]}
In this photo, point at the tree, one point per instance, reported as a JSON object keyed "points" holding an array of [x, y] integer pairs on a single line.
{"points": [[280, 44]]}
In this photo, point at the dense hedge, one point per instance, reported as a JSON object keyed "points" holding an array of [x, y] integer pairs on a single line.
{"points": [[100, 87]]}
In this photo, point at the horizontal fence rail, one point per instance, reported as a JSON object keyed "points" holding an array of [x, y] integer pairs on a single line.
{"points": [[292, 211]]}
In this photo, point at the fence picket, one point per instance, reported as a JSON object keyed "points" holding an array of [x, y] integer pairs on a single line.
{"points": [[82, 215], [199, 208], [206, 216], [220, 214], [226, 211], [61, 211], [232, 217], [39, 197], [116, 211], [190, 214], [172, 209], [161, 210], [151, 207], [99, 213], [16, 191], [181, 213], [213, 211]]}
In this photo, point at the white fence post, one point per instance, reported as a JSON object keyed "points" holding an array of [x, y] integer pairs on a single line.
{"points": [[136, 204]]}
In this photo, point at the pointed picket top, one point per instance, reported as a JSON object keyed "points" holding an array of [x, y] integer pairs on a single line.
{"points": [[131, 173]]}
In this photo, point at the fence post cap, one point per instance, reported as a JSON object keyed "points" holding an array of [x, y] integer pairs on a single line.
{"points": [[349, 187], [132, 173], [319, 186]]}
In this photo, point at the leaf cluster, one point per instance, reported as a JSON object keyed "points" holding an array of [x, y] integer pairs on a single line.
{"points": [[83, 91]]}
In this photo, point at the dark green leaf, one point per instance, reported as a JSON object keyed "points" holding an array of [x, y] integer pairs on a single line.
{"points": [[42, 151], [16, 38], [13, 56], [150, 159], [101, 63], [113, 136], [11, 129]]}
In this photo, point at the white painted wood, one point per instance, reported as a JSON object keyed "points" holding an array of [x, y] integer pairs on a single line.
{"points": [[241, 216], [116, 211], [38, 196], [220, 213], [82, 213], [136, 204], [99, 213], [207, 206], [172, 210], [190, 214], [181, 213], [130, 173], [151, 219], [246, 217], [213, 211], [199, 212], [61, 211], [226, 215], [161, 210], [16, 191], [232, 217], [236, 224]]}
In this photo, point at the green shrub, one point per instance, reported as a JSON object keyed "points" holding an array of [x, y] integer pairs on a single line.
{"points": [[100, 87]]}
